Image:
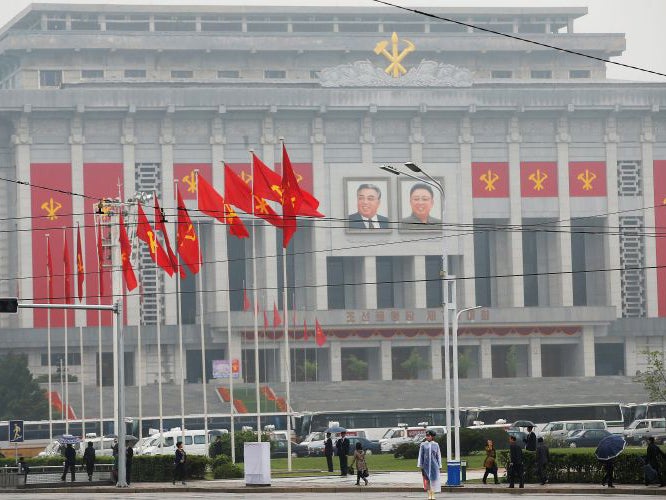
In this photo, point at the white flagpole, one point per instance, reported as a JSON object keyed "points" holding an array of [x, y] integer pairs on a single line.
{"points": [[64, 284], [159, 352], [100, 263], [231, 377], [256, 307], [83, 392], [138, 338], [48, 339], [180, 328], [287, 352]]}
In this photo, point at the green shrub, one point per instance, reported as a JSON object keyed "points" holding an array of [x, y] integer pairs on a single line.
{"points": [[240, 439], [158, 468], [407, 450], [474, 440], [36, 461], [223, 468]]}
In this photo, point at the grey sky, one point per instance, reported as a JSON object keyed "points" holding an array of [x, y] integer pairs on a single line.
{"points": [[641, 20]]}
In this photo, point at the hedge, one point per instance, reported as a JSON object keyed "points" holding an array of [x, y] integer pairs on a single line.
{"points": [[471, 441], [223, 468]]}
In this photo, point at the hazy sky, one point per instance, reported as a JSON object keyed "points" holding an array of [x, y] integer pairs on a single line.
{"points": [[641, 20]]}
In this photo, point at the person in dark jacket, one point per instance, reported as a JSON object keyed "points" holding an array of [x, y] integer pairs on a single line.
{"points": [[542, 459], [653, 455], [328, 451], [129, 455], [179, 460], [89, 460], [490, 463], [216, 447], [515, 463], [70, 462], [531, 439], [342, 450], [609, 468]]}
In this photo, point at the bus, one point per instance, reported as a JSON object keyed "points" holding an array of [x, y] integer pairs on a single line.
{"points": [[640, 411], [540, 415]]}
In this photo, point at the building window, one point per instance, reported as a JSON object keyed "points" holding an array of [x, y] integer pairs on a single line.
{"points": [[335, 272], [314, 74], [275, 73], [92, 73], [543, 74], [434, 295], [135, 73], [228, 73], [579, 73], [501, 73], [73, 359], [50, 78], [182, 73]]}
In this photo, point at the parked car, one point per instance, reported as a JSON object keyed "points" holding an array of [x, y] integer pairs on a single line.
{"points": [[561, 429], [639, 431], [586, 438], [370, 447]]}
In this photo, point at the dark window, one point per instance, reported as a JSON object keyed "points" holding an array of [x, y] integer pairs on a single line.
{"points": [[135, 73], [228, 73], [92, 73], [501, 73], [482, 281], [73, 358], [314, 74], [385, 295], [56, 24], [50, 78], [434, 297], [579, 73], [335, 282], [530, 269], [541, 73], [181, 73], [275, 73]]}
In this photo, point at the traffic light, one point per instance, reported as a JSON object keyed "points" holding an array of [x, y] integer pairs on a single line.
{"points": [[8, 305]]}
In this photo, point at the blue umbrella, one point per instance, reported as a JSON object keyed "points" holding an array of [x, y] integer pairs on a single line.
{"points": [[336, 428], [68, 439], [610, 447]]}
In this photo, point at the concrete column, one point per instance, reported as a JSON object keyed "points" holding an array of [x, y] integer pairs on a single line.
{"points": [[436, 359], [587, 366], [282, 367], [647, 158], [336, 361], [76, 141], [21, 140], [563, 238], [416, 139], [129, 189], [168, 203], [220, 299], [535, 357], [611, 139], [367, 138], [465, 140], [370, 277], [419, 263], [630, 356], [321, 239], [386, 359], [515, 264], [268, 267], [486, 361]]}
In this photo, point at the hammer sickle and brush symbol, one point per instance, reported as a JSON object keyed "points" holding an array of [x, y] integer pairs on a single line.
{"points": [[586, 178], [191, 181], [538, 178], [153, 242], [396, 56], [490, 178], [51, 208]]}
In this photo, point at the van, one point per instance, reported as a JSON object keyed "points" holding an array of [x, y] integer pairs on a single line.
{"points": [[194, 443], [395, 436], [561, 429], [640, 430]]}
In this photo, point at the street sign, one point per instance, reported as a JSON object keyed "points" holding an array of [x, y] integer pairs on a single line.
{"points": [[8, 305], [16, 431]]}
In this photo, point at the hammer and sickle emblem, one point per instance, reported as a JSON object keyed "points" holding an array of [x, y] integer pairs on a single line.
{"points": [[190, 234], [51, 208], [153, 242], [247, 178], [79, 262], [260, 206], [230, 213], [277, 189], [191, 181], [396, 56], [586, 178], [538, 178], [490, 178]]}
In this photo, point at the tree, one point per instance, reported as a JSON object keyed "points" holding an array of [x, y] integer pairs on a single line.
{"points": [[20, 395], [357, 368], [654, 377], [414, 363]]}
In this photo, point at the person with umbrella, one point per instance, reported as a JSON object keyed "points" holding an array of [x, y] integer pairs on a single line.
{"points": [[70, 462], [608, 449], [653, 455], [342, 449]]}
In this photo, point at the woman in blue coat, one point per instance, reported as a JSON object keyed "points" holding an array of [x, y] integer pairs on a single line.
{"points": [[430, 462]]}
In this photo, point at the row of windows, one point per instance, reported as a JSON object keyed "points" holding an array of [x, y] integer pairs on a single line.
{"points": [[541, 74]]}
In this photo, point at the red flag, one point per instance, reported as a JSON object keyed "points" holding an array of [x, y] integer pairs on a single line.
{"points": [[146, 234], [265, 321], [49, 269], [126, 254], [277, 319], [67, 260], [100, 260], [239, 194], [211, 203], [291, 199], [80, 270], [246, 301], [305, 330], [159, 226], [186, 238], [320, 336]]}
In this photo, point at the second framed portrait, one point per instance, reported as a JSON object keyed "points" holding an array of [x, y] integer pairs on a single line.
{"points": [[420, 206], [367, 204]]}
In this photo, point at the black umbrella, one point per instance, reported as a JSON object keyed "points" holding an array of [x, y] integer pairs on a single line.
{"points": [[335, 429]]}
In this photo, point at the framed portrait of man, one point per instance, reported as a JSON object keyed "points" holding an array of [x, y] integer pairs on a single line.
{"points": [[367, 205], [420, 206]]}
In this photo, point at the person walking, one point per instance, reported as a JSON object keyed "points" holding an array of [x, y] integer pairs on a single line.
{"points": [[515, 463], [542, 459], [490, 463], [531, 439], [609, 468], [89, 460], [129, 455], [430, 462], [654, 453], [328, 451], [70, 462], [361, 465], [342, 450], [216, 447], [179, 461]]}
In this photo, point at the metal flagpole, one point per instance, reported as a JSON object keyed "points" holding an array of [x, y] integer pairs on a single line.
{"points": [[83, 392], [287, 352], [231, 375], [138, 341], [100, 261], [180, 328], [256, 307], [159, 351], [48, 342], [64, 284]]}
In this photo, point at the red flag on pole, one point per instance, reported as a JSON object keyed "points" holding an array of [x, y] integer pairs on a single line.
{"points": [[211, 203], [100, 260], [246, 301], [80, 270], [320, 336], [239, 194], [49, 269], [292, 198], [265, 321], [277, 319], [186, 238], [126, 253], [305, 330], [159, 226], [146, 234], [67, 260]]}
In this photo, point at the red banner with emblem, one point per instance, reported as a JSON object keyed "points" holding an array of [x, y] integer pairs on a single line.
{"points": [[303, 173], [51, 209], [660, 223], [490, 180], [184, 174], [587, 178], [538, 179], [100, 180]]}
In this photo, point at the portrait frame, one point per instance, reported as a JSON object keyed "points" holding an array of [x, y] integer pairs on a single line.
{"points": [[405, 210], [351, 185]]}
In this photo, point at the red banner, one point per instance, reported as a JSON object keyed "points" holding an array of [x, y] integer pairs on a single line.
{"points": [[538, 179], [51, 209], [184, 174], [303, 173], [660, 223], [587, 178], [490, 180], [100, 180]]}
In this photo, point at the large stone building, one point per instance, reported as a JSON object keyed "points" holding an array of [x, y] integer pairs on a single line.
{"points": [[551, 175]]}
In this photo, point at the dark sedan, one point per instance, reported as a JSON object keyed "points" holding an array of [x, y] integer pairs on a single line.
{"points": [[589, 438]]}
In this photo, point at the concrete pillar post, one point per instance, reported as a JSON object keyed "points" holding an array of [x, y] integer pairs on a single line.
{"points": [[268, 267], [370, 277], [611, 139], [465, 140], [587, 368], [386, 360], [563, 138], [630, 356], [367, 138], [336, 361], [486, 354], [535, 357], [515, 264], [419, 296], [436, 359], [647, 164], [321, 241], [76, 141]]}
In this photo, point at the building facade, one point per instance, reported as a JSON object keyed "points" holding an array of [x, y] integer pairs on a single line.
{"points": [[553, 176]]}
